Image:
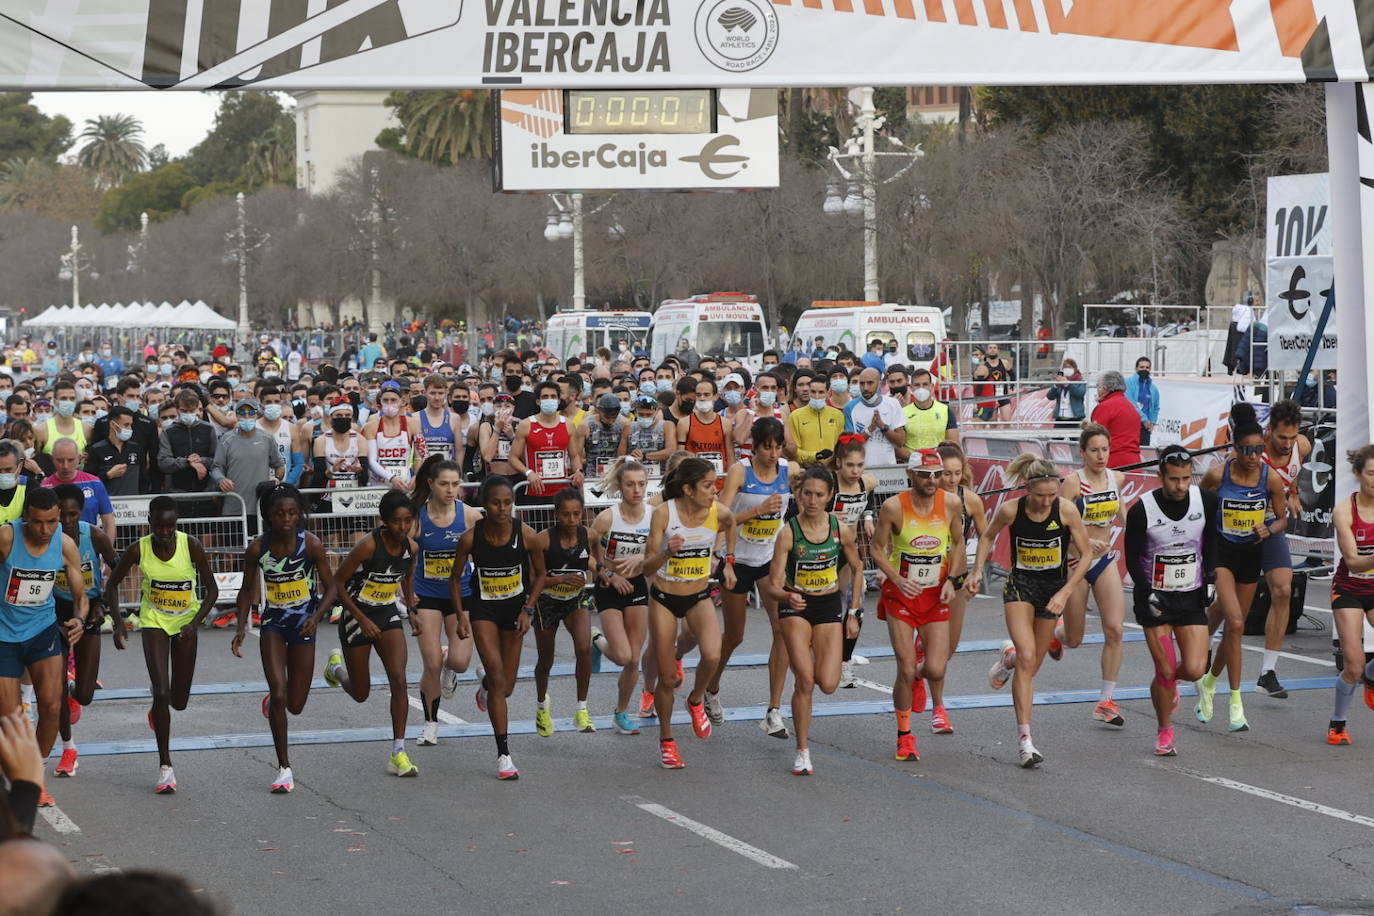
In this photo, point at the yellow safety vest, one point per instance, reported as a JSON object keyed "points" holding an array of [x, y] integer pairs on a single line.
{"points": [[925, 428]]}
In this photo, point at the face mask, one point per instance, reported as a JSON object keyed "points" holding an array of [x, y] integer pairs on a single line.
{"points": [[831, 354], [65, 408], [922, 394], [1067, 370], [705, 408], [733, 397], [391, 410], [105, 352], [419, 401], [586, 389], [204, 377], [235, 379], [372, 395], [271, 412], [488, 408], [167, 423], [528, 389], [316, 412], [28, 452], [85, 356], [689, 405], [188, 418], [125, 434], [1143, 373], [648, 388], [150, 369], [9, 481], [768, 398], [975, 361], [40, 418], [625, 409], [817, 404], [474, 410], [101, 413], [165, 370], [855, 391], [340, 424], [548, 405], [645, 422], [897, 392], [133, 405], [839, 385], [270, 373]]}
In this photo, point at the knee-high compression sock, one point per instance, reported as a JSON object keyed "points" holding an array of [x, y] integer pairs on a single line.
{"points": [[1344, 693], [849, 645]]}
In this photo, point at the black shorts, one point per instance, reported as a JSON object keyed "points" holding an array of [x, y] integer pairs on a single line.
{"points": [[746, 576], [443, 605], [608, 599], [1035, 592], [1179, 610], [1348, 599], [95, 613], [351, 632], [678, 605], [504, 614], [1243, 560], [819, 609], [550, 612]]}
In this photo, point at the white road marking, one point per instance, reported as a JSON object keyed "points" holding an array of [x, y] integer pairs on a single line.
{"points": [[58, 820], [753, 853], [443, 716], [873, 685], [1291, 800], [1325, 663], [1320, 610]]}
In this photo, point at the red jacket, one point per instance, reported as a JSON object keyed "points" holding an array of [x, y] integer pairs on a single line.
{"points": [[1122, 422]]}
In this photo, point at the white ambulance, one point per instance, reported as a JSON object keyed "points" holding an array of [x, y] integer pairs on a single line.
{"points": [[582, 333], [917, 331], [723, 325]]}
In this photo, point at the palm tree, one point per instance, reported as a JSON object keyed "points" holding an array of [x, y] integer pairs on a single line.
{"points": [[273, 159], [445, 126], [114, 149], [20, 180]]}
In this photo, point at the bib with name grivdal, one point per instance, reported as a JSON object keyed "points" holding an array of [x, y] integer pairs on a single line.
{"points": [[1039, 549]]}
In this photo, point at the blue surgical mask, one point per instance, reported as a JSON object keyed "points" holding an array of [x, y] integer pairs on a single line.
{"points": [[271, 412], [645, 422], [248, 424], [134, 404], [586, 389], [733, 397], [166, 369], [648, 388], [839, 384], [65, 408], [548, 405], [9, 481], [188, 418], [125, 434], [767, 398], [625, 409], [817, 404], [854, 391], [99, 414]]}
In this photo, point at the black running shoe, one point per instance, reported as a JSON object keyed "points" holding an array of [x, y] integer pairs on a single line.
{"points": [[1269, 683]]}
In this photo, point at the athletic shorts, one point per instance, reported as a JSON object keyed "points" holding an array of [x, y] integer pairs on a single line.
{"points": [[746, 576], [916, 612], [442, 605], [351, 633], [1035, 592], [1099, 566], [608, 599], [1189, 612], [550, 612], [1274, 553], [1348, 599], [16, 657], [819, 609], [288, 625], [1243, 560], [678, 605], [153, 619], [95, 613], [504, 614]]}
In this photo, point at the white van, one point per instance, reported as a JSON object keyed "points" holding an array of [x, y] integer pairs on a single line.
{"points": [[917, 330], [582, 333], [723, 325]]}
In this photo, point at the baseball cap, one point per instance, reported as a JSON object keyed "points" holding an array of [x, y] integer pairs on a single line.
{"points": [[645, 401], [247, 404], [608, 402], [734, 378], [924, 458]]}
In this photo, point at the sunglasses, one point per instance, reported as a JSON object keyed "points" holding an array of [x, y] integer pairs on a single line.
{"points": [[929, 474], [1250, 449], [1178, 458]]}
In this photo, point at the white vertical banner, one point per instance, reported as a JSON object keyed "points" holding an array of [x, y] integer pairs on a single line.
{"points": [[1298, 275], [1351, 153]]}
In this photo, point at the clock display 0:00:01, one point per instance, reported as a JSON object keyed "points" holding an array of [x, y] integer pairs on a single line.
{"points": [[648, 111]]}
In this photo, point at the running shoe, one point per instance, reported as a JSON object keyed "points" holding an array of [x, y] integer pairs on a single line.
{"points": [[939, 721], [284, 782], [44, 799], [701, 723], [133, 622], [1029, 756], [624, 724], [1269, 683], [918, 695], [1107, 711], [802, 765], [582, 721], [255, 617], [596, 651], [1002, 668], [1368, 693], [906, 747], [773, 725], [29, 711], [1335, 734], [480, 697], [858, 659], [668, 757], [1164, 743], [505, 768], [1238, 723], [225, 621], [1206, 693], [68, 764], [847, 675], [681, 675], [714, 709], [646, 705], [335, 659], [543, 720], [73, 710], [448, 678], [151, 726], [166, 781], [429, 735], [400, 765], [1056, 650], [266, 702]]}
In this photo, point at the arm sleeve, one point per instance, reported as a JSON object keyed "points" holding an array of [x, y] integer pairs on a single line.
{"points": [[293, 474], [953, 421], [23, 799], [1135, 547], [317, 480], [377, 469]]}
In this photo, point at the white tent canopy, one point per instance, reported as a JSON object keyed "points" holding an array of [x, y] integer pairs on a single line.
{"points": [[145, 315]]}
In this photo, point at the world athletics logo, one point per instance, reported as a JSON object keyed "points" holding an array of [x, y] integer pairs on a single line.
{"points": [[736, 35]]}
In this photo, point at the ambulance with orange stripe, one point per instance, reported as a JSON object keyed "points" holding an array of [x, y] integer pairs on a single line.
{"points": [[726, 325], [916, 331]]}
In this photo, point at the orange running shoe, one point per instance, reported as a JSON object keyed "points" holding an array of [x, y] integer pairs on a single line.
{"points": [[906, 747], [1336, 734], [701, 723], [1107, 711], [1368, 694], [44, 799], [681, 676], [1056, 649], [918, 695], [73, 710], [646, 705], [939, 722], [67, 765], [668, 757]]}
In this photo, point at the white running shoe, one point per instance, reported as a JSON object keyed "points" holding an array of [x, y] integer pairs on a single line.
{"points": [[505, 768], [429, 735], [714, 711], [166, 781], [448, 678], [859, 659], [847, 674], [802, 765], [284, 782], [1001, 669], [1030, 757], [773, 725]]}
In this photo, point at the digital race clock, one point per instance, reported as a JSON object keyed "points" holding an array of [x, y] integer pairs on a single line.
{"points": [[642, 111]]}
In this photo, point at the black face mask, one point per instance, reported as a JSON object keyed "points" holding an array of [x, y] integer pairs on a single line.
{"points": [[897, 392], [298, 408], [689, 405], [355, 398], [512, 383], [341, 424], [1143, 373], [418, 402], [459, 406]]}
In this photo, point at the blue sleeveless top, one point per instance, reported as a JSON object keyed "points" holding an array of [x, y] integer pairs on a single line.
{"points": [[438, 544], [27, 607], [1241, 508], [438, 438], [90, 567]]}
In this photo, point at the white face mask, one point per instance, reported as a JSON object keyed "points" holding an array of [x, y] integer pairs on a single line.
{"points": [[921, 394]]}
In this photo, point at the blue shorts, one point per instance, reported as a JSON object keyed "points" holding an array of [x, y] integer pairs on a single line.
{"points": [[288, 625], [16, 657], [1099, 566], [1274, 553]]}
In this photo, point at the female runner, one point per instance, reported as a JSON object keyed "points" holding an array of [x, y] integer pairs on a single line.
{"points": [[854, 501], [958, 479], [567, 560], [1352, 591]]}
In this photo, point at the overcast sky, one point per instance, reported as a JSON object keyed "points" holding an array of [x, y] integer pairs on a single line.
{"points": [[178, 120]]}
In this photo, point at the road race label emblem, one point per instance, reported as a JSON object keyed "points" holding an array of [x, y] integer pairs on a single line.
{"points": [[736, 35]]}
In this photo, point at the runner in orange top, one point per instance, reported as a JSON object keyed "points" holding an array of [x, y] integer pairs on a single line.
{"points": [[703, 433]]}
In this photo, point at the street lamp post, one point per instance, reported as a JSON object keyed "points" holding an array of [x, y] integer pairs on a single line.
{"points": [[71, 267], [566, 218], [245, 329]]}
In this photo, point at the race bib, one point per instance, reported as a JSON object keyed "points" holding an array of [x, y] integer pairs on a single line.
{"points": [[502, 449], [1175, 572], [1240, 516], [380, 589], [552, 465], [923, 569], [692, 563], [624, 546], [438, 447], [816, 576], [600, 465], [344, 481], [1364, 551], [850, 507], [30, 587], [87, 575], [172, 597], [761, 530], [1035, 555], [652, 469], [286, 589], [716, 459], [1100, 508], [566, 592], [438, 563], [500, 584]]}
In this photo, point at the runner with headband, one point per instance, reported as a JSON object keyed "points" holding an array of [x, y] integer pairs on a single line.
{"points": [[958, 480]]}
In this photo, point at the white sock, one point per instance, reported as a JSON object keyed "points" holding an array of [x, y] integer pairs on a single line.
{"points": [[600, 642], [68, 745], [1271, 658], [545, 702], [1108, 687], [26, 692], [1059, 632], [582, 705]]}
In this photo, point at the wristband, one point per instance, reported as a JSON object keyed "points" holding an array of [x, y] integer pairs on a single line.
{"points": [[959, 580], [854, 611], [730, 558]]}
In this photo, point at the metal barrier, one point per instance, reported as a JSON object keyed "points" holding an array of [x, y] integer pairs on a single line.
{"points": [[218, 520]]}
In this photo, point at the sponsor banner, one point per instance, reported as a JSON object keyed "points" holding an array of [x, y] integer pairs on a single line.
{"points": [[1194, 414], [1312, 532], [363, 501], [1299, 270], [404, 44]]}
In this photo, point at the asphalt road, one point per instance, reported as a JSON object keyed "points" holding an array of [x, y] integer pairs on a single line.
{"points": [[1268, 821]]}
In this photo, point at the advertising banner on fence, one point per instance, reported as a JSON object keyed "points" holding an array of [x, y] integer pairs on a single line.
{"points": [[1299, 271], [420, 44]]}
